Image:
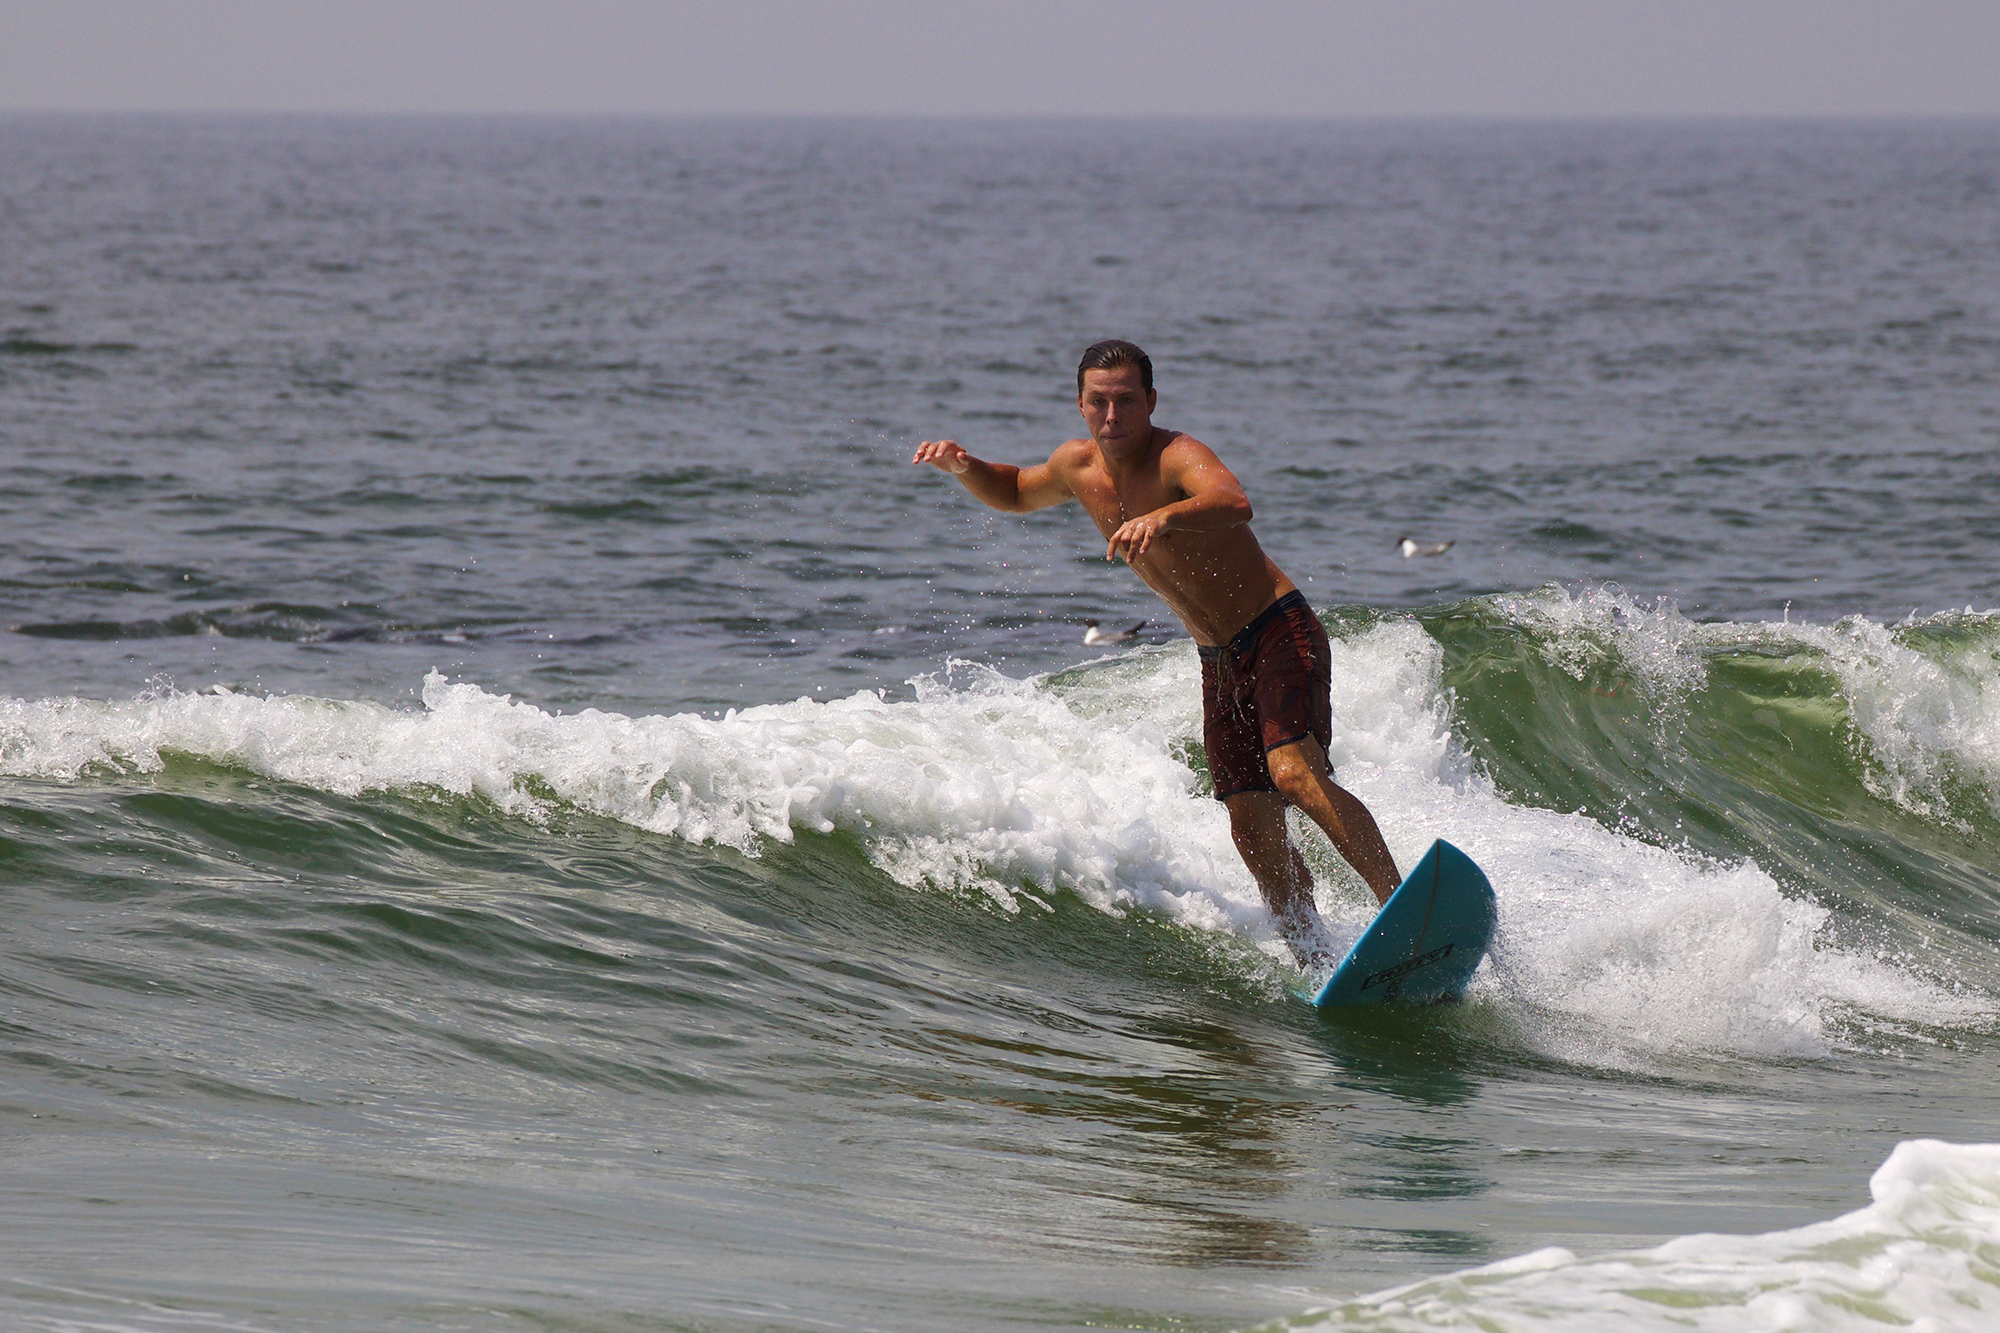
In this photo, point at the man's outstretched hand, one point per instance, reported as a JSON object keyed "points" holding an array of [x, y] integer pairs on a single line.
{"points": [[1134, 537], [947, 455]]}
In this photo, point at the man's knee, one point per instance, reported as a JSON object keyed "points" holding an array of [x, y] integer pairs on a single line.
{"points": [[1292, 772]]}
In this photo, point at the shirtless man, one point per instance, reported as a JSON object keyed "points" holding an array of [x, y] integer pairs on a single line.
{"points": [[1165, 502]]}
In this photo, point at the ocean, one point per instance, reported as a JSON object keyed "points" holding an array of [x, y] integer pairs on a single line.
{"points": [[520, 809]]}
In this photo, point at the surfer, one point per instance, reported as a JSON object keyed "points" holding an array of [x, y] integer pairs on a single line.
{"points": [[1179, 518]]}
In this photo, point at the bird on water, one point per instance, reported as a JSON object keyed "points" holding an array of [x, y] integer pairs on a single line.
{"points": [[1093, 636]]}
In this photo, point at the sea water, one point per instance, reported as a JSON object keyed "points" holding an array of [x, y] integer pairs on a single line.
{"points": [[520, 809]]}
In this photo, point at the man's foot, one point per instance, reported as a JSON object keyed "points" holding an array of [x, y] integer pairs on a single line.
{"points": [[1312, 942]]}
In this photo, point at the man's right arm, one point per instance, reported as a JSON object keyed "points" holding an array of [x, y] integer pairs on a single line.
{"points": [[1017, 490]]}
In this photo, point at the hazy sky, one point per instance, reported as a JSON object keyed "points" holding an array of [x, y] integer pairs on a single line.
{"points": [[1025, 57]]}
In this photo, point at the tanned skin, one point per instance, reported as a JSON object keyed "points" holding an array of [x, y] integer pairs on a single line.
{"points": [[1166, 504]]}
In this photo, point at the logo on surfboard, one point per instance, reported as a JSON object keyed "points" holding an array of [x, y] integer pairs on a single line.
{"points": [[1403, 969]]}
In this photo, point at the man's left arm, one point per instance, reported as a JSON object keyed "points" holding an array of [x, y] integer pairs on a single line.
{"points": [[1214, 500]]}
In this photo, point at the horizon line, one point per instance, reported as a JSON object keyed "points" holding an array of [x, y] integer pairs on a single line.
{"points": [[1015, 117]]}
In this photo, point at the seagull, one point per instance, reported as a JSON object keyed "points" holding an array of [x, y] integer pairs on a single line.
{"points": [[1409, 547], [1093, 636]]}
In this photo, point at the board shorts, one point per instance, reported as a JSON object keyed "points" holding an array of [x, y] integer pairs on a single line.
{"points": [[1269, 686]]}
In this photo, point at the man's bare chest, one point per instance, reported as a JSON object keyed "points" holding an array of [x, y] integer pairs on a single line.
{"points": [[1110, 505]]}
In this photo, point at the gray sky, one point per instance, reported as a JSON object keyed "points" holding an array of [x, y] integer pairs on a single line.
{"points": [[1025, 57]]}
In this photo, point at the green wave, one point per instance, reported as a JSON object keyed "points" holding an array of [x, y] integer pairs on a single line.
{"points": [[1856, 761]]}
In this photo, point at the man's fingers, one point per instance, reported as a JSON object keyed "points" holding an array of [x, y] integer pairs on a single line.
{"points": [[1133, 539], [943, 453]]}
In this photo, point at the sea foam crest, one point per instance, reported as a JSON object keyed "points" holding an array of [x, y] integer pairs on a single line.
{"points": [[1602, 623], [1930, 716], [1918, 1257], [1611, 950], [992, 784]]}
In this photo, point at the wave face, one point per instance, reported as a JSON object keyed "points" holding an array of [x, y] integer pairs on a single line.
{"points": [[1707, 839], [1835, 783]]}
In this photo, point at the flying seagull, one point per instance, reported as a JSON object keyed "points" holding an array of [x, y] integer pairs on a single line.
{"points": [[1410, 546], [1093, 636]]}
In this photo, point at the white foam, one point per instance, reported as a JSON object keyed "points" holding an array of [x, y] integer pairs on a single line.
{"points": [[995, 784], [1611, 950], [1918, 1258]]}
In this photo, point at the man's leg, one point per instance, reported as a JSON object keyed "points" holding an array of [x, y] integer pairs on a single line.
{"points": [[1306, 780], [1257, 823]]}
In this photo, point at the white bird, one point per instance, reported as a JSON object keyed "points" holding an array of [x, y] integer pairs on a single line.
{"points": [[1410, 546], [1093, 636]]}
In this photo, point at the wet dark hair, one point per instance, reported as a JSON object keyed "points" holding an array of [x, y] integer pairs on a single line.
{"points": [[1111, 354]]}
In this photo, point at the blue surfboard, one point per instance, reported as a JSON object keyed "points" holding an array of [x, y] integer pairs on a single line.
{"points": [[1425, 942]]}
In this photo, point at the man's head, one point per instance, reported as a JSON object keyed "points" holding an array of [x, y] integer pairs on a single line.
{"points": [[1111, 354], [1114, 391]]}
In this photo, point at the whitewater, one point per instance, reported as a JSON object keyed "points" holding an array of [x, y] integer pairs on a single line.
{"points": [[1917, 1257]]}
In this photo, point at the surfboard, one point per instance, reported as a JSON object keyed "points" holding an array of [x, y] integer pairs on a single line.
{"points": [[1425, 942]]}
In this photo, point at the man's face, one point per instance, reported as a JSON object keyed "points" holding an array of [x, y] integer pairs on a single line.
{"points": [[1118, 410]]}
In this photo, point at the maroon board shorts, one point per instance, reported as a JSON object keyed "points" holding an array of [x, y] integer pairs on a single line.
{"points": [[1269, 686]]}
